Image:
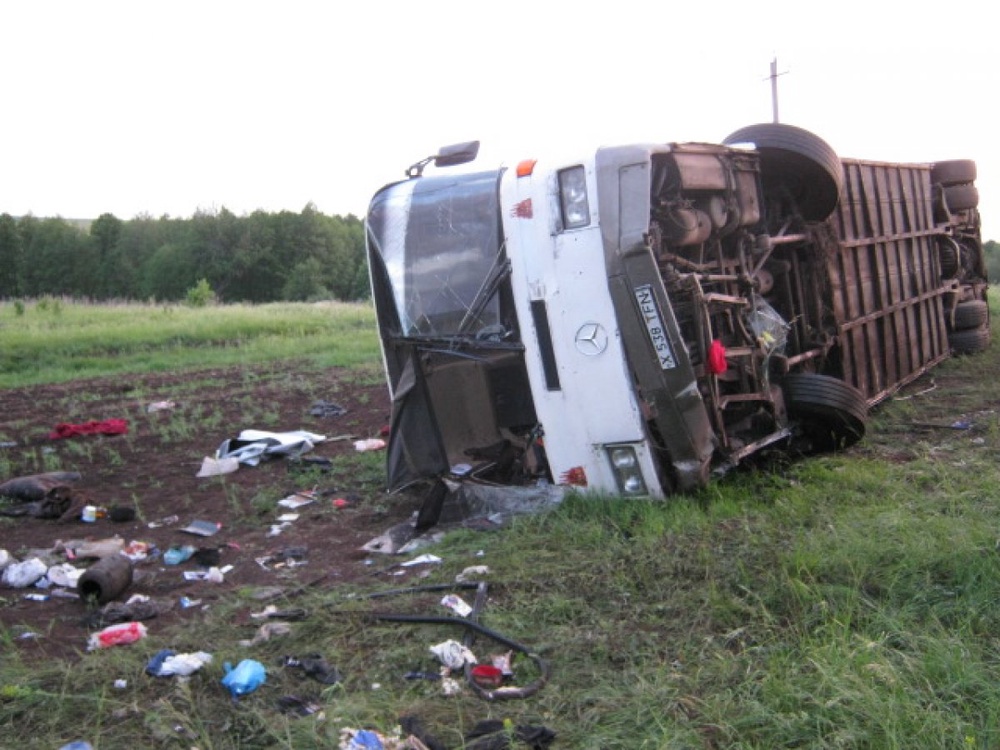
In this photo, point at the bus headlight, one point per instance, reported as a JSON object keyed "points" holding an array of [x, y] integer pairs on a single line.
{"points": [[573, 198], [628, 472]]}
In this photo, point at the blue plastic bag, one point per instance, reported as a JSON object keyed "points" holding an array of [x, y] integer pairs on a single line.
{"points": [[177, 555], [245, 678], [365, 740]]}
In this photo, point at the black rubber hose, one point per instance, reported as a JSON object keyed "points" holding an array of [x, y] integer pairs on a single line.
{"points": [[420, 589], [460, 621]]}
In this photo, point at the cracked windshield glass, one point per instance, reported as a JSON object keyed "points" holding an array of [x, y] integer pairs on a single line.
{"points": [[439, 239]]}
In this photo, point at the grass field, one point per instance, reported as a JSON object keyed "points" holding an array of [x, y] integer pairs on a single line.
{"points": [[55, 340], [842, 601]]}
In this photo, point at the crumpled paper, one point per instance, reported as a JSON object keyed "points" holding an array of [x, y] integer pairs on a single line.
{"points": [[453, 654]]}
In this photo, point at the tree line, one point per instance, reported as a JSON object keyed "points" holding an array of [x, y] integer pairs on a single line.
{"points": [[992, 251], [260, 257]]}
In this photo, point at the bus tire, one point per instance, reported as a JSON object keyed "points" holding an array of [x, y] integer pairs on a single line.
{"points": [[972, 314], [954, 172], [949, 254], [798, 161], [972, 341], [961, 197], [830, 413]]}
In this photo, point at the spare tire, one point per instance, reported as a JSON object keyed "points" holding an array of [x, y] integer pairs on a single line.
{"points": [[961, 197], [972, 341], [796, 161], [954, 172], [975, 313]]}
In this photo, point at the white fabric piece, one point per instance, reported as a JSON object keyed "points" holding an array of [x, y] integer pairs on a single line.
{"points": [[252, 445], [65, 575], [213, 467]]}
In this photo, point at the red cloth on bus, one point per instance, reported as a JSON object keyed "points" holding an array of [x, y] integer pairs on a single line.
{"points": [[717, 358], [106, 427]]}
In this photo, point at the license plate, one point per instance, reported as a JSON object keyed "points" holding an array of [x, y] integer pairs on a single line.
{"points": [[654, 326]]}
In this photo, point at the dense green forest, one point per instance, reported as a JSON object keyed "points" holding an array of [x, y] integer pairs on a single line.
{"points": [[992, 261], [262, 257]]}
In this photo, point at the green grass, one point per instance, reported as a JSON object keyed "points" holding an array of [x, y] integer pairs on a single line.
{"points": [[55, 340], [842, 601]]}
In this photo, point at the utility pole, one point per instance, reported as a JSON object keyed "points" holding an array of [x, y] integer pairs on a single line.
{"points": [[774, 88]]}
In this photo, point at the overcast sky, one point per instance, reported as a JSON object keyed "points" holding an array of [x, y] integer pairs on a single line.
{"points": [[151, 107]]}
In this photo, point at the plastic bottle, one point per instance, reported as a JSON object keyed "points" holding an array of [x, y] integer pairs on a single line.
{"points": [[177, 555]]}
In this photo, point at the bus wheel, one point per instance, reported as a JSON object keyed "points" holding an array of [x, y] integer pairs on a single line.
{"points": [[830, 413], [972, 341], [796, 161], [961, 197], [972, 314], [949, 254], [954, 172]]}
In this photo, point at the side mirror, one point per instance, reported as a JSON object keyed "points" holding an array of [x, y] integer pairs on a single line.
{"points": [[447, 156], [459, 153]]}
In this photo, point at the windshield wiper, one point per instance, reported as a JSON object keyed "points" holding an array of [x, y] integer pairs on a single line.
{"points": [[499, 271]]}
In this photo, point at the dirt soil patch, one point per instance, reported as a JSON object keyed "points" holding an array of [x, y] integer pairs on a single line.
{"points": [[152, 470]]}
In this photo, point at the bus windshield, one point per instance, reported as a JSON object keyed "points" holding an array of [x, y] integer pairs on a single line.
{"points": [[439, 238]]}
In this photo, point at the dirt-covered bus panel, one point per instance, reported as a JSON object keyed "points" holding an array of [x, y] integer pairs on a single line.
{"points": [[639, 319]]}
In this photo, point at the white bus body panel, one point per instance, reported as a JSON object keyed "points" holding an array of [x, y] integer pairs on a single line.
{"points": [[595, 405]]}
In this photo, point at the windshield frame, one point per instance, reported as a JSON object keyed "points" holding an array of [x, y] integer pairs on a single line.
{"points": [[439, 241]]}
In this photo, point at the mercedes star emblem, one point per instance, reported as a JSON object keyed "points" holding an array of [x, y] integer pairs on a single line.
{"points": [[591, 339]]}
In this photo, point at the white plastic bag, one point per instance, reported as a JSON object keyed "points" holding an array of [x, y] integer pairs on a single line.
{"points": [[116, 635], [184, 664], [65, 575], [23, 574]]}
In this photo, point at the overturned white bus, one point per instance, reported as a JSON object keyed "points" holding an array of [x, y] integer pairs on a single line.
{"points": [[638, 319]]}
